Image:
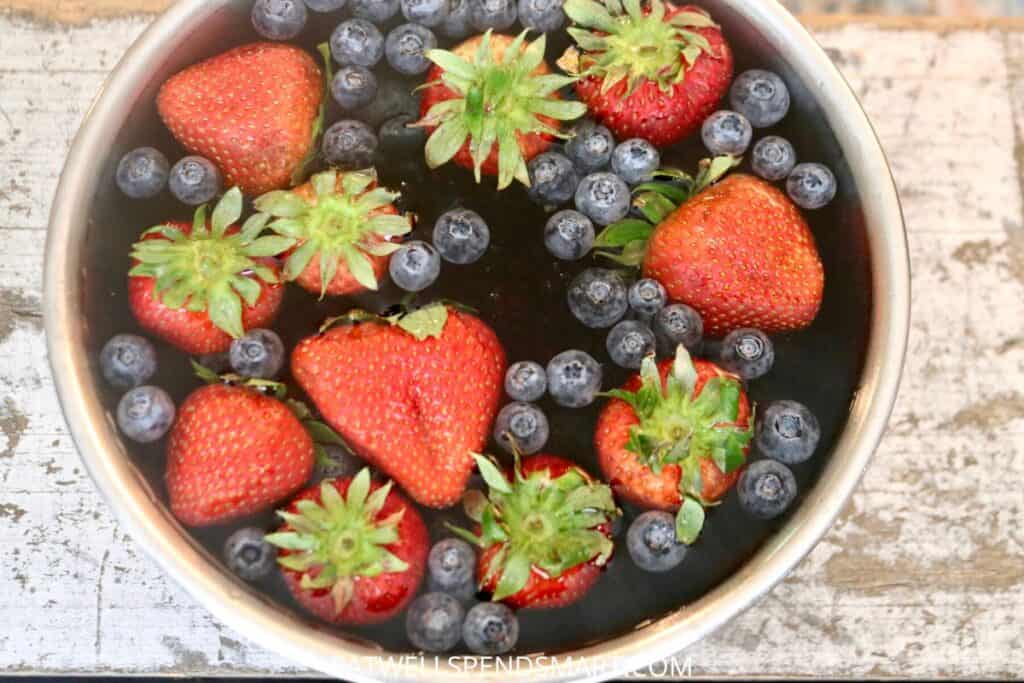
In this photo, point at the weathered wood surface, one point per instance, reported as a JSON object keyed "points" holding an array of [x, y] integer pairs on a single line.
{"points": [[923, 575]]}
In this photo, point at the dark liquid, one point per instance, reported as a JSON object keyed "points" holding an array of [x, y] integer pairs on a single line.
{"points": [[519, 289]]}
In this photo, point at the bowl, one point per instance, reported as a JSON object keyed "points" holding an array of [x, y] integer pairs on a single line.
{"points": [[863, 328]]}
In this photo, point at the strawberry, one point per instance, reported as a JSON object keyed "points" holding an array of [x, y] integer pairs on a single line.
{"points": [[198, 286], [675, 437], [353, 551], [413, 395], [235, 451], [545, 531], [492, 105], [343, 224], [652, 71], [739, 252], [256, 111]]}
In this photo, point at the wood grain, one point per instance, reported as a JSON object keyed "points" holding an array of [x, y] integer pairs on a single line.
{"points": [[923, 576]]}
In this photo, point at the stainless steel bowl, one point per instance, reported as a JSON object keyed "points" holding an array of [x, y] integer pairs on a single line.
{"points": [[195, 28]]}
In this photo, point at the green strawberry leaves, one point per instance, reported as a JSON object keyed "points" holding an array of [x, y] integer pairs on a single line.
{"points": [[343, 222], [620, 42], [498, 101], [625, 242], [210, 268], [689, 521], [675, 427], [538, 521], [332, 541]]}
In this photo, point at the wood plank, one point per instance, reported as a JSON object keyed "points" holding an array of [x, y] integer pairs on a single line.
{"points": [[922, 576]]}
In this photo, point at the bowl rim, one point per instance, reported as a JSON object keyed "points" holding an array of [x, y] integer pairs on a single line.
{"points": [[253, 615]]}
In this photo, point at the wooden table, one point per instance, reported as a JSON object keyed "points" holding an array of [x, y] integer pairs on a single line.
{"points": [[924, 574]]}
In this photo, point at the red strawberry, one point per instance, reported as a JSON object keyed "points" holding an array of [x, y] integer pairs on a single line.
{"points": [[739, 252], [414, 396], [675, 437], [198, 286], [343, 224], [256, 111], [492, 105], [742, 255], [233, 452], [545, 532], [353, 550], [654, 72]]}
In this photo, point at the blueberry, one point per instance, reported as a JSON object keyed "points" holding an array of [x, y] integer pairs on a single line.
{"points": [[336, 462], [526, 381], [258, 353], [415, 266], [635, 161], [127, 361], [459, 22], [350, 145], [553, 179], [574, 378], [398, 139], [598, 297], [195, 180], [677, 324], [651, 542], [727, 132], [545, 16], [491, 628], [358, 42], [145, 414], [451, 567], [434, 622], [354, 86], [425, 12], [773, 158], [377, 11], [248, 554], [326, 5], [523, 427], [761, 96], [279, 19], [406, 47], [766, 488], [591, 147], [603, 197], [394, 98], [811, 186], [787, 431], [647, 297], [461, 236], [569, 235], [142, 173], [629, 343], [492, 14], [748, 353]]}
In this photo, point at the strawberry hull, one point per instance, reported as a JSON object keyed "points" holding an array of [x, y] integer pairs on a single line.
{"points": [[660, 117], [377, 599], [632, 480], [531, 144], [192, 331]]}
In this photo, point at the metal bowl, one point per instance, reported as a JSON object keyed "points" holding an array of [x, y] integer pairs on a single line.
{"points": [[85, 203]]}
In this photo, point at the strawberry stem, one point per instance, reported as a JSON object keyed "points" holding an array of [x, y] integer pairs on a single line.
{"points": [[544, 523]]}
